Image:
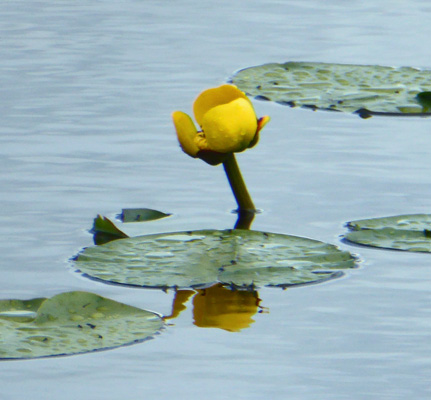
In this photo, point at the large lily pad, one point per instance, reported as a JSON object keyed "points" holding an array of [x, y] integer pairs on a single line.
{"points": [[401, 232], [241, 258], [70, 323], [365, 89]]}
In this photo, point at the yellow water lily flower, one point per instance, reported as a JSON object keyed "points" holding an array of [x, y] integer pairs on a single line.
{"points": [[228, 125]]}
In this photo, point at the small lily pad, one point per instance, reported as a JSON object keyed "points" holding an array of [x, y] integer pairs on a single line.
{"points": [[71, 323], [402, 232], [104, 230], [240, 258], [141, 215], [365, 89]]}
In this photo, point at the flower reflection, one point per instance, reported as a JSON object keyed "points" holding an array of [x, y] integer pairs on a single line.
{"points": [[219, 307]]}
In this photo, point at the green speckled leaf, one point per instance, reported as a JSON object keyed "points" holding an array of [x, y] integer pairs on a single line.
{"points": [[70, 323], [200, 258], [401, 232], [366, 89]]}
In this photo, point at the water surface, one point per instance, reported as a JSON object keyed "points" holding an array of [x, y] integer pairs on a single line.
{"points": [[86, 94]]}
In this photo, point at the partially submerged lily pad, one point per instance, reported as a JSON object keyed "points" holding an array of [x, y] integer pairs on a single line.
{"points": [[365, 89], [71, 323], [141, 215], [401, 232], [241, 258], [104, 230]]}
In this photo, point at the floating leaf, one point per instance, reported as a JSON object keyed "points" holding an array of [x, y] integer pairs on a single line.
{"points": [[104, 225], [70, 323], [240, 258], [141, 215], [365, 89], [401, 232]]}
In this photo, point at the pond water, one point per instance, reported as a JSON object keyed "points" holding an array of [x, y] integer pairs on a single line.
{"points": [[87, 89]]}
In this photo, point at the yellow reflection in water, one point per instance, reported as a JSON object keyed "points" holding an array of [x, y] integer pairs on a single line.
{"points": [[219, 307]]}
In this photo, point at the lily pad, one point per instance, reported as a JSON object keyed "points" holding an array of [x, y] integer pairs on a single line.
{"points": [[141, 215], [365, 89], [401, 232], [240, 258], [104, 230], [71, 323]]}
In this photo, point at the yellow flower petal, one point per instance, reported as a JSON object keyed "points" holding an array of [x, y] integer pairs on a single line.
{"points": [[230, 127], [186, 132], [211, 98], [262, 122]]}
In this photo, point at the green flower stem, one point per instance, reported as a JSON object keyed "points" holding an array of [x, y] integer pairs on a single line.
{"points": [[237, 185], [245, 219]]}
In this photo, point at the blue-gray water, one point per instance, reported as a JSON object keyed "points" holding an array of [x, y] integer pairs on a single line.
{"points": [[86, 93]]}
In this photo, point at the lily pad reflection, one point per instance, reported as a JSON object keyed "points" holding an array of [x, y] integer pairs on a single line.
{"points": [[365, 89], [70, 323], [240, 258]]}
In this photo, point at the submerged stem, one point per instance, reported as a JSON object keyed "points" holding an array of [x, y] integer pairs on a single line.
{"points": [[237, 185], [245, 219]]}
